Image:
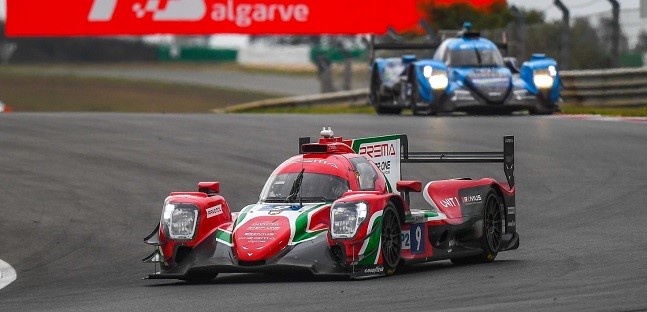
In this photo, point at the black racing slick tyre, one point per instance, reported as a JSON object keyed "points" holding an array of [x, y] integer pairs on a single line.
{"points": [[375, 97], [390, 239], [415, 99], [493, 220]]}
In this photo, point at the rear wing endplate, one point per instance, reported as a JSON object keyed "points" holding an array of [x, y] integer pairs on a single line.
{"points": [[506, 156]]}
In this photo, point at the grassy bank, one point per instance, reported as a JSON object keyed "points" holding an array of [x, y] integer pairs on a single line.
{"points": [[640, 111], [33, 92], [341, 108], [354, 108]]}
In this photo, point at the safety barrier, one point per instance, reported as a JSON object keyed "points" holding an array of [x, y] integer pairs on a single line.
{"points": [[602, 88], [608, 87], [358, 95]]}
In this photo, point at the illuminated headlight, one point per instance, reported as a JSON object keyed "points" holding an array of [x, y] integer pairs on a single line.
{"points": [[346, 218], [180, 220], [544, 79], [552, 71], [437, 78]]}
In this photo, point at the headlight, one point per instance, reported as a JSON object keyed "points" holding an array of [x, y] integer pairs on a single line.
{"points": [[544, 78], [180, 220], [346, 218], [437, 78]]}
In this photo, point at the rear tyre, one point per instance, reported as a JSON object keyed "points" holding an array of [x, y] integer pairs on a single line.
{"points": [[492, 231], [390, 239], [375, 97]]}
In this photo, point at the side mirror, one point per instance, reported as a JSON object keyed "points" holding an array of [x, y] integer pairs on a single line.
{"points": [[511, 64], [209, 188], [408, 186]]}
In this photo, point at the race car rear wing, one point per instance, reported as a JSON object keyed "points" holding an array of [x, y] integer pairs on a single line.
{"points": [[444, 34], [373, 46], [506, 156], [390, 151]]}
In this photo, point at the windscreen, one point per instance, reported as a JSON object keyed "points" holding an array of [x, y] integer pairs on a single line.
{"points": [[314, 187], [474, 58]]}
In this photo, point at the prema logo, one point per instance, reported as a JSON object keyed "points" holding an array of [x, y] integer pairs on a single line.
{"points": [[242, 14]]}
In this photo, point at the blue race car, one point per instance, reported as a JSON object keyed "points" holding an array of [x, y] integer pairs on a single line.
{"points": [[467, 73]]}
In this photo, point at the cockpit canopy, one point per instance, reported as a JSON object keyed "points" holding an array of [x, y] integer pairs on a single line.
{"points": [[315, 187], [469, 52]]}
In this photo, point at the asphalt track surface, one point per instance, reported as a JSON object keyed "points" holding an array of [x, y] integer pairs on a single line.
{"points": [[80, 191]]}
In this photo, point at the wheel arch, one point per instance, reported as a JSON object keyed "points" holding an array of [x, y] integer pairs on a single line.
{"points": [[499, 192], [400, 207]]}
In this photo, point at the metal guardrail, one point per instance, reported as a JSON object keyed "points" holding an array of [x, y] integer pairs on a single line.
{"points": [[607, 87], [305, 100], [602, 88]]}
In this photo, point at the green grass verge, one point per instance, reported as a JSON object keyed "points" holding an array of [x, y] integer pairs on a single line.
{"points": [[639, 111], [348, 108], [343, 108], [30, 92]]}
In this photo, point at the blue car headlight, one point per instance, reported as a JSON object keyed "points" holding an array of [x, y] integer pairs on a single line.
{"points": [[437, 78], [544, 78], [345, 219], [180, 221]]}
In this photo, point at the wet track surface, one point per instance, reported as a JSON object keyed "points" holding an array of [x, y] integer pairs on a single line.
{"points": [[80, 191]]}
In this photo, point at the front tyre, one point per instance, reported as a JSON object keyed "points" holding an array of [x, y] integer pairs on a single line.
{"points": [[416, 99], [391, 241], [492, 231], [543, 111]]}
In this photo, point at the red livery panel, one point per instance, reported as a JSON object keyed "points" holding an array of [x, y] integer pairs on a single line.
{"points": [[331, 210]]}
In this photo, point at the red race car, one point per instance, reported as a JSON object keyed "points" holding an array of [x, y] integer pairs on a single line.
{"points": [[340, 207]]}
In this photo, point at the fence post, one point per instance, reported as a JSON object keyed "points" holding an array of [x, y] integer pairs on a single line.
{"points": [[615, 36], [520, 33], [324, 72], [566, 31]]}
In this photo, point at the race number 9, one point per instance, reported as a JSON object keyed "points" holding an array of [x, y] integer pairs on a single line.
{"points": [[417, 239]]}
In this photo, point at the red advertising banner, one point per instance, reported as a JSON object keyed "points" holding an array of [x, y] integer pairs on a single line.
{"points": [[139, 17]]}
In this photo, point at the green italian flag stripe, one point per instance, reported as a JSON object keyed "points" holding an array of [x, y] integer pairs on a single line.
{"points": [[301, 226], [224, 237], [242, 214], [370, 254]]}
